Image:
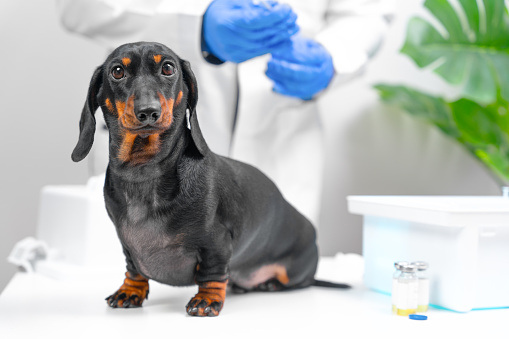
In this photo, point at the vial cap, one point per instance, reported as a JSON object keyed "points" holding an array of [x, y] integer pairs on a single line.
{"points": [[409, 268], [421, 265], [418, 317], [400, 264]]}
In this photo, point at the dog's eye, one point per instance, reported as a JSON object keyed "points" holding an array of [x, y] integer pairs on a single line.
{"points": [[168, 69], [117, 72]]}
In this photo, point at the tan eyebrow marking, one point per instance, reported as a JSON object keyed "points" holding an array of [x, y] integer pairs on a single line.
{"points": [[157, 58], [126, 61]]}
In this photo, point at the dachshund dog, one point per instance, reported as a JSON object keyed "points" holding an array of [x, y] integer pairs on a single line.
{"points": [[183, 214]]}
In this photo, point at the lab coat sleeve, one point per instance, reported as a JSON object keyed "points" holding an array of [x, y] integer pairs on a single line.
{"points": [[353, 32], [115, 22]]}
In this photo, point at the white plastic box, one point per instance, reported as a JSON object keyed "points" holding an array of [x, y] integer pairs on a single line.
{"points": [[464, 239], [74, 222]]}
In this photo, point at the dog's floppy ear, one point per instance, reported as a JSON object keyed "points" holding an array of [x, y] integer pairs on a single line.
{"points": [[87, 121], [192, 100]]}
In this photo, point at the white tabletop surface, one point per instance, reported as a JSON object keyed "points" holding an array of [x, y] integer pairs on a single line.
{"points": [[35, 306]]}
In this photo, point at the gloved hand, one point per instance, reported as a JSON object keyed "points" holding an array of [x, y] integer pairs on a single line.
{"points": [[301, 69], [238, 30]]}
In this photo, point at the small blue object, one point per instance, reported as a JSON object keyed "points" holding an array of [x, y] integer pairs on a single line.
{"points": [[417, 317]]}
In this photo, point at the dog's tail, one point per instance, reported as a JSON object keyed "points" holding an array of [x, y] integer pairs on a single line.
{"points": [[321, 283]]}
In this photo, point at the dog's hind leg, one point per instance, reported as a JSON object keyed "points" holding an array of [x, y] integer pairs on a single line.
{"points": [[267, 278], [303, 266], [271, 285]]}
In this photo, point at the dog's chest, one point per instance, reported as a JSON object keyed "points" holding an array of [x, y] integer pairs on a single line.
{"points": [[158, 251]]}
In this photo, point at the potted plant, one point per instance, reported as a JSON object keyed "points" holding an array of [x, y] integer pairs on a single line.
{"points": [[469, 49]]}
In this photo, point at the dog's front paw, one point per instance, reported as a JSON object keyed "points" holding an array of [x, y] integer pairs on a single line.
{"points": [[209, 300], [131, 294], [125, 299], [203, 306]]}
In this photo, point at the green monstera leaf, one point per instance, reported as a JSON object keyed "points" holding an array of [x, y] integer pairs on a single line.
{"points": [[482, 129], [431, 109], [468, 47], [471, 47]]}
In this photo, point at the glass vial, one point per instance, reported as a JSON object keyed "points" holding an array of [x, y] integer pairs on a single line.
{"points": [[407, 291], [423, 278], [395, 276]]}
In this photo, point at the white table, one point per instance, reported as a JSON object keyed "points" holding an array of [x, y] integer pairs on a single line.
{"points": [[35, 306]]}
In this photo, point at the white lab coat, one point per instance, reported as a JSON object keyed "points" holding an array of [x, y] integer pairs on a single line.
{"points": [[279, 135]]}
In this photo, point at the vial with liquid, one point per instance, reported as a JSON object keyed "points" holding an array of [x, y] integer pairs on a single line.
{"points": [[407, 290], [423, 279], [395, 276]]}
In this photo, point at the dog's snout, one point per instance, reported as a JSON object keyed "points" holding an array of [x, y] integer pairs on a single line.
{"points": [[147, 111]]}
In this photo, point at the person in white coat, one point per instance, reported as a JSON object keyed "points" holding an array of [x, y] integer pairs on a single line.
{"points": [[257, 105]]}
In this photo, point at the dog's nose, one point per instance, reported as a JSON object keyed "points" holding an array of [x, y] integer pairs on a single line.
{"points": [[148, 116], [148, 112]]}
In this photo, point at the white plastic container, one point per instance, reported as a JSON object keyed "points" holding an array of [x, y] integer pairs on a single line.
{"points": [[465, 240], [73, 221]]}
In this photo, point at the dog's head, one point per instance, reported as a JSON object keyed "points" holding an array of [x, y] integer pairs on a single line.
{"points": [[145, 91]]}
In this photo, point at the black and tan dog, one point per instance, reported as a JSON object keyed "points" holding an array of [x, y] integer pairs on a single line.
{"points": [[185, 215]]}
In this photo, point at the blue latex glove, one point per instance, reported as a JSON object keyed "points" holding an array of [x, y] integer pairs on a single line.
{"points": [[301, 69], [238, 30]]}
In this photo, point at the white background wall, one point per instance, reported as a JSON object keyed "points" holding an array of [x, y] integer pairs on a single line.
{"points": [[370, 149], [44, 78]]}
